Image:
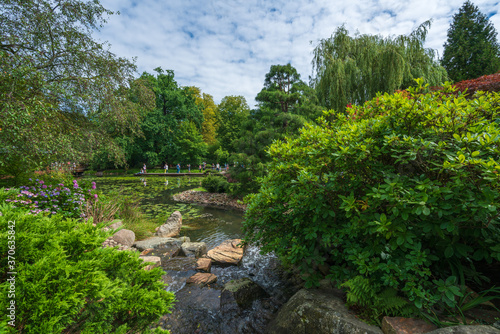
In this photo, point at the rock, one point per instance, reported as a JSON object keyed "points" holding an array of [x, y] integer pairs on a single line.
{"points": [[242, 292], [146, 251], [172, 227], [194, 249], [180, 264], [124, 237], [184, 239], [204, 264], [227, 253], [317, 311], [202, 279], [479, 329], [156, 242], [115, 224], [155, 260], [399, 325]]}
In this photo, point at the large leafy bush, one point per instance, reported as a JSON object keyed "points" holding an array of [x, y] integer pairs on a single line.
{"points": [[402, 193], [67, 283]]}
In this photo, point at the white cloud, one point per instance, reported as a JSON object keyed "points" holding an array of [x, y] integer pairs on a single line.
{"points": [[227, 47]]}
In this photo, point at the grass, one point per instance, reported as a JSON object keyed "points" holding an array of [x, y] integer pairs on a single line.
{"points": [[200, 189]]}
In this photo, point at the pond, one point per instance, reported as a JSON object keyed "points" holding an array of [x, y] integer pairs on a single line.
{"points": [[197, 309], [154, 195]]}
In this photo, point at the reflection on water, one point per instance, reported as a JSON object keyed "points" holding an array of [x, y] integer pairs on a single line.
{"points": [[154, 194]]}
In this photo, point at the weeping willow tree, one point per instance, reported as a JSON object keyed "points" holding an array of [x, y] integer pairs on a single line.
{"points": [[353, 69]]}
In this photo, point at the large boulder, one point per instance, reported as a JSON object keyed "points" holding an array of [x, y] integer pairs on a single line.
{"points": [[229, 252], [479, 329], [172, 227], [157, 242], [318, 311], [124, 237], [194, 249]]}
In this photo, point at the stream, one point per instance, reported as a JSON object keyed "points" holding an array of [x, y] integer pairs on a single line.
{"points": [[197, 309]]}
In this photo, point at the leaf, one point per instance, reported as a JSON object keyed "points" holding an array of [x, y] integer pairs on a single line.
{"points": [[448, 252]]}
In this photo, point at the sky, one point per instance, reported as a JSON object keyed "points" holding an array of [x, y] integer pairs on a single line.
{"points": [[227, 47]]}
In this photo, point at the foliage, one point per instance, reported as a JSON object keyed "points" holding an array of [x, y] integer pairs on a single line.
{"points": [[215, 184], [172, 130], [207, 105], [472, 48], [232, 111], [350, 70], [47, 199], [402, 191], [364, 293], [66, 282], [62, 92], [486, 83]]}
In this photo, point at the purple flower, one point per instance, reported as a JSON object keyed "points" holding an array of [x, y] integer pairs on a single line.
{"points": [[44, 187], [93, 185]]}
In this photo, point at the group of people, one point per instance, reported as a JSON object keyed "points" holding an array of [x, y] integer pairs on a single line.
{"points": [[217, 167]]}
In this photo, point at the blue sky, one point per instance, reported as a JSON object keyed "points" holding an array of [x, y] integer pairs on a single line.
{"points": [[227, 47]]}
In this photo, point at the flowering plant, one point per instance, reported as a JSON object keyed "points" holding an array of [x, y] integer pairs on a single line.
{"points": [[44, 199]]}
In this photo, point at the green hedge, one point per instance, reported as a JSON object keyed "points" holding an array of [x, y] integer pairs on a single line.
{"points": [[215, 184], [67, 283], [403, 193]]}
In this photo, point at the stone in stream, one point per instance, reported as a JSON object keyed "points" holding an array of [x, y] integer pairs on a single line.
{"points": [[156, 242], [155, 260], [237, 296], [180, 263], [202, 279], [204, 264], [172, 226], [240, 293], [194, 249], [229, 252], [400, 325]]}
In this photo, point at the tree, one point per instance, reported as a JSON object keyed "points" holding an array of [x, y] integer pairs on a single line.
{"points": [[85, 88], [280, 87], [472, 48], [352, 70], [209, 109], [232, 111]]}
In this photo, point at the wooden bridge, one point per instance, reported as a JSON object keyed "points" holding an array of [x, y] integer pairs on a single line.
{"points": [[170, 174]]}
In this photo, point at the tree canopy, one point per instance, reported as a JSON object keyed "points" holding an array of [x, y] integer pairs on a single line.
{"points": [[352, 70], [67, 84], [472, 48]]}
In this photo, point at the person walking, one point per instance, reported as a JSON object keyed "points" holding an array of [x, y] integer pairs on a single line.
{"points": [[189, 168], [199, 168], [166, 167], [144, 168], [178, 168]]}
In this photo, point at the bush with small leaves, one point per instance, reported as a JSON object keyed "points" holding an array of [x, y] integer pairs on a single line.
{"points": [[66, 282]]}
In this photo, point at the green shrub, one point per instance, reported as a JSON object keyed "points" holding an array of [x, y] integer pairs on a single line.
{"points": [[215, 184], [67, 283], [403, 191]]}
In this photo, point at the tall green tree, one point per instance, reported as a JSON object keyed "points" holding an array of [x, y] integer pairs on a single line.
{"points": [[472, 48], [232, 111], [354, 69], [57, 80]]}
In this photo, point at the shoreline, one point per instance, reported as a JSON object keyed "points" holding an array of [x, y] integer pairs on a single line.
{"points": [[209, 199]]}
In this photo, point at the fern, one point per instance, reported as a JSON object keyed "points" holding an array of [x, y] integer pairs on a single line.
{"points": [[362, 293]]}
